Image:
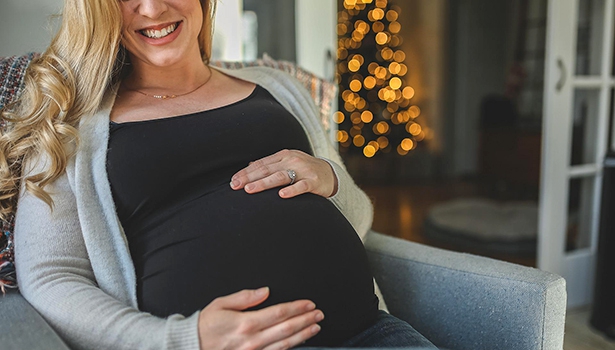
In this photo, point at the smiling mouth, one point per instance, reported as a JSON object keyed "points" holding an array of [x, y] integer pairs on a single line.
{"points": [[161, 33]]}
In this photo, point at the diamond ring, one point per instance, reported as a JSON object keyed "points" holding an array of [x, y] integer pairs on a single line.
{"points": [[292, 175]]}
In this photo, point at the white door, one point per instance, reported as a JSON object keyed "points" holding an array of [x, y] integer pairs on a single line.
{"points": [[579, 84]]}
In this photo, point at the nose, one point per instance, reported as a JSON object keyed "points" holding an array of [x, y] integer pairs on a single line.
{"points": [[151, 8]]}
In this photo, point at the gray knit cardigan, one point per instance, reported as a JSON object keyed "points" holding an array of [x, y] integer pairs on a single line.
{"points": [[73, 262]]}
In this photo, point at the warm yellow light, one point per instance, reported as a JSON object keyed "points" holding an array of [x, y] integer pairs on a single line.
{"points": [[359, 58], [394, 68], [392, 107], [355, 130], [378, 13], [399, 56], [413, 128], [367, 117], [347, 95], [342, 53], [349, 107], [395, 119], [383, 142], [404, 69], [369, 82], [374, 144], [354, 65], [357, 35], [361, 103], [420, 137], [338, 117], [361, 26], [382, 38], [415, 111], [395, 83], [371, 68], [381, 3], [369, 151], [386, 94], [398, 96], [370, 16], [355, 85], [342, 29], [386, 53], [394, 27], [358, 140], [378, 27], [381, 128], [407, 144], [408, 92], [342, 136], [404, 116], [381, 94], [401, 151], [380, 73], [392, 15], [395, 41]]}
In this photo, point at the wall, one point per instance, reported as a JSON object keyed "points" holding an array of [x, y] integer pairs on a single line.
{"points": [[425, 33], [316, 36], [276, 27], [26, 25], [479, 57]]}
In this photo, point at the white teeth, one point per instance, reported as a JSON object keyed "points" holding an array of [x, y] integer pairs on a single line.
{"points": [[158, 34]]}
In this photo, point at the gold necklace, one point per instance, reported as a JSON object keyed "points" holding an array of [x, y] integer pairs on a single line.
{"points": [[165, 97]]}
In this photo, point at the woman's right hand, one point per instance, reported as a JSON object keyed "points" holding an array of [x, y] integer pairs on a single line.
{"points": [[224, 324]]}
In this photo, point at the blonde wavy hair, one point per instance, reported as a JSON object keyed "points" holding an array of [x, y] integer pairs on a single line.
{"points": [[67, 82]]}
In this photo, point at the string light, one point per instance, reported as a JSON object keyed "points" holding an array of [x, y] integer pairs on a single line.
{"points": [[376, 113]]}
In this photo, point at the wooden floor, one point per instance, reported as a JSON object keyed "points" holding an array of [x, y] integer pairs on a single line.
{"points": [[401, 210]]}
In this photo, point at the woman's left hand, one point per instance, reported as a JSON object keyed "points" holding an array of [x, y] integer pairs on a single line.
{"points": [[312, 175]]}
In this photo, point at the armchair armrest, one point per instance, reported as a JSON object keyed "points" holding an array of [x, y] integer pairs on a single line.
{"points": [[24, 328], [461, 301]]}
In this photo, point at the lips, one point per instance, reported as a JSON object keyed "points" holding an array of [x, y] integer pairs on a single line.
{"points": [[160, 31]]}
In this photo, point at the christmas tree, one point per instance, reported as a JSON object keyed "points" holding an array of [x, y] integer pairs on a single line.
{"points": [[375, 114]]}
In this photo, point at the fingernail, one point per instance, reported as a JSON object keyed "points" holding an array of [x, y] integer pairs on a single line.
{"points": [[319, 317], [310, 306], [262, 291], [235, 183], [315, 329], [249, 187]]}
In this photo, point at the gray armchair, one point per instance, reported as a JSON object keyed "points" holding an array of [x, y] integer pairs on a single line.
{"points": [[459, 301]]}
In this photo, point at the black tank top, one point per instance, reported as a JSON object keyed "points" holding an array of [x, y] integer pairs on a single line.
{"points": [[192, 238]]}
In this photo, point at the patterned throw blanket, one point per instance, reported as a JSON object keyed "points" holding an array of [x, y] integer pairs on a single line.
{"points": [[12, 72]]}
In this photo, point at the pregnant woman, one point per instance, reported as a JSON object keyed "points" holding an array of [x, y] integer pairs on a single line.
{"points": [[164, 204]]}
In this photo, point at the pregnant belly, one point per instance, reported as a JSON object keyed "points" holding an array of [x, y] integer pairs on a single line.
{"points": [[226, 241]]}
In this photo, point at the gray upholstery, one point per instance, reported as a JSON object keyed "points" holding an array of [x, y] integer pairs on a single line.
{"points": [[458, 301], [21, 327]]}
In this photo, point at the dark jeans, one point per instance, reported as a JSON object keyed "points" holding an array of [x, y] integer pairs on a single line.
{"points": [[389, 332]]}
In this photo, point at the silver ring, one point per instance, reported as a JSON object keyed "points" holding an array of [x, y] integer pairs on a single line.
{"points": [[292, 175]]}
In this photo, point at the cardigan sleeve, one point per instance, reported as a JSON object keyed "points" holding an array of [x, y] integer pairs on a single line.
{"points": [[56, 277]]}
